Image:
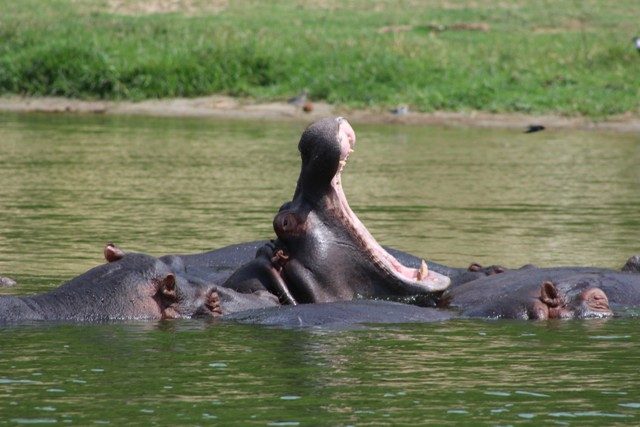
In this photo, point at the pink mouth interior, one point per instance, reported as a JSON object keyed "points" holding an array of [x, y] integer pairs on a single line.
{"points": [[432, 281]]}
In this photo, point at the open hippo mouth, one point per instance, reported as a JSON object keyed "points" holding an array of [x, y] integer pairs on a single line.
{"points": [[422, 277], [324, 252]]}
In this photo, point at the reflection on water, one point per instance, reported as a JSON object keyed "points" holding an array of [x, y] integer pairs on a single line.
{"points": [[188, 372], [70, 184]]}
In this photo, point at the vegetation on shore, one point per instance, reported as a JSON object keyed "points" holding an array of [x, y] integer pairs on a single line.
{"points": [[538, 56]]}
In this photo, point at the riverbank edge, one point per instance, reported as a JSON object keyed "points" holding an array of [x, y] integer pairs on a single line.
{"points": [[225, 107]]}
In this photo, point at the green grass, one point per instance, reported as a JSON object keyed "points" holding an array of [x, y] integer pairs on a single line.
{"points": [[538, 56]]}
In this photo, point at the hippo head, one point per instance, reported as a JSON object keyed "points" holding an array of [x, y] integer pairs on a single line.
{"points": [[323, 252], [175, 296], [575, 300]]}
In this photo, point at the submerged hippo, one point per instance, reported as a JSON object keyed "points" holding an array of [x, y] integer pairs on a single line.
{"points": [[219, 264], [323, 252], [546, 293], [216, 265], [341, 314], [129, 286]]}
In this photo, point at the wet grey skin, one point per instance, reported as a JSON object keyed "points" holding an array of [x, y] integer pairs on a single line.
{"points": [[216, 266], [340, 314], [129, 286], [547, 293], [323, 252]]}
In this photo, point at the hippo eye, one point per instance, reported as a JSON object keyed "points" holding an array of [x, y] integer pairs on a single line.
{"points": [[286, 223]]}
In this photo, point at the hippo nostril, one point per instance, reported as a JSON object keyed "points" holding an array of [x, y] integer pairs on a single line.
{"points": [[595, 303], [601, 300]]}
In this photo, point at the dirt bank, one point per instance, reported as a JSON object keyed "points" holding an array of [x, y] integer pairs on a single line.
{"points": [[232, 108]]}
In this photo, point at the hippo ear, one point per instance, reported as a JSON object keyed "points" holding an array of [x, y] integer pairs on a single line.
{"points": [[497, 269], [474, 267], [550, 296], [168, 286], [112, 252]]}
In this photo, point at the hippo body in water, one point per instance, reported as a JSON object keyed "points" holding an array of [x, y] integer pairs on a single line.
{"points": [[129, 286], [216, 265], [219, 264], [546, 293], [341, 314]]}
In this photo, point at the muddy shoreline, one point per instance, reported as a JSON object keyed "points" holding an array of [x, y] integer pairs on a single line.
{"points": [[224, 107]]}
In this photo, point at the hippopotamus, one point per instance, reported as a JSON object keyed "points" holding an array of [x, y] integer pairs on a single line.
{"points": [[128, 286], [323, 252], [218, 265], [215, 265], [341, 314], [207, 269], [546, 293]]}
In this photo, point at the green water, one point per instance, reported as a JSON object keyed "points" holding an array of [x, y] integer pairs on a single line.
{"points": [[70, 184]]}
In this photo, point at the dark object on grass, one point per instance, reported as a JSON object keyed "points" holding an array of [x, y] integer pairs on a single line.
{"points": [[400, 110], [534, 128], [300, 100]]}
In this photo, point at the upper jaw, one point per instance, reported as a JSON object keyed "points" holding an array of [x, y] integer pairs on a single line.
{"points": [[346, 138]]}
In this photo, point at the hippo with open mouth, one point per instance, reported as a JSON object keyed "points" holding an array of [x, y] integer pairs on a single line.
{"points": [[323, 252]]}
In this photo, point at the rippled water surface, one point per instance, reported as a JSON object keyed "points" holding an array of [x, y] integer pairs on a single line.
{"points": [[71, 183]]}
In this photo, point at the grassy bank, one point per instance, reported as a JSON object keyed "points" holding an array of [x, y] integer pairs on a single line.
{"points": [[544, 56]]}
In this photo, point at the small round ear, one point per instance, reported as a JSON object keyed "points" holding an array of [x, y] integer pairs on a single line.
{"points": [[168, 286], [474, 267], [550, 296], [112, 252], [497, 269]]}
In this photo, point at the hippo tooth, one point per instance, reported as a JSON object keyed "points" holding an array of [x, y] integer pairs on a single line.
{"points": [[423, 271]]}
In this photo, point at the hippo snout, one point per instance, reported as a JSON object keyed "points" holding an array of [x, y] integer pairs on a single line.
{"points": [[593, 303]]}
